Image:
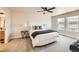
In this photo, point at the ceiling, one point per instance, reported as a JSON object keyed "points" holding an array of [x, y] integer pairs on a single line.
{"points": [[58, 10]]}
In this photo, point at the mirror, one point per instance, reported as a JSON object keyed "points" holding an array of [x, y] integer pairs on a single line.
{"points": [[2, 22]]}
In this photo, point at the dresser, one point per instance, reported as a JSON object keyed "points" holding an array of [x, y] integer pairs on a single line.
{"points": [[2, 36]]}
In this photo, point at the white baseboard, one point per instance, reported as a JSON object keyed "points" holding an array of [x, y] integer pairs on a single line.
{"points": [[16, 35]]}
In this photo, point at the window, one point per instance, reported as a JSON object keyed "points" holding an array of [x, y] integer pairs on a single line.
{"points": [[72, 23], [69, 23], [61, 22]]}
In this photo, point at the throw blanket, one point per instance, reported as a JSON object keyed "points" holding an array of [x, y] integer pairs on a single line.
{"points": [[34, 34]]}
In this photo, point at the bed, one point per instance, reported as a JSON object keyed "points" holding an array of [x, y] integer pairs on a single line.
{"points": [[42, 37]]}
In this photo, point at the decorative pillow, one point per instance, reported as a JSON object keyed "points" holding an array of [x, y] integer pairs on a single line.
{"points": [[36, 27], [40, 27]]}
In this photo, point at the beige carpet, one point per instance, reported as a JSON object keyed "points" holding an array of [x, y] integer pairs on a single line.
{"points": [[17, 45], [62, 45], [24, 45]]}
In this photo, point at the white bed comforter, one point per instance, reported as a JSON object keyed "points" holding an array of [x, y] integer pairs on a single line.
{"points": [[43, 38]]}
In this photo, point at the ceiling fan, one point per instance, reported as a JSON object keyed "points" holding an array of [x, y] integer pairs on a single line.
{"points": [[46, 9]]}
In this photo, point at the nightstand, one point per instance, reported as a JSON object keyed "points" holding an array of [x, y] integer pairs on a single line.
{"points": [[25, 34]]}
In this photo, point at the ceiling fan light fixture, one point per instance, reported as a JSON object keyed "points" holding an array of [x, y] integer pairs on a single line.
{"points": [[46, 9]]}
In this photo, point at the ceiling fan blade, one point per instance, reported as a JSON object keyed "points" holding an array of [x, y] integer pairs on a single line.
{"points": [[51, 8], [50, 11], [43, 7]]}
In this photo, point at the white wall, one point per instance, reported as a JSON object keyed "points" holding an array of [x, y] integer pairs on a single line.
{"points": [[21, 15], [8, 28]]}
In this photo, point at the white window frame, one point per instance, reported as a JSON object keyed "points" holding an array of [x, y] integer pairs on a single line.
{"points": [[66, 24]]}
